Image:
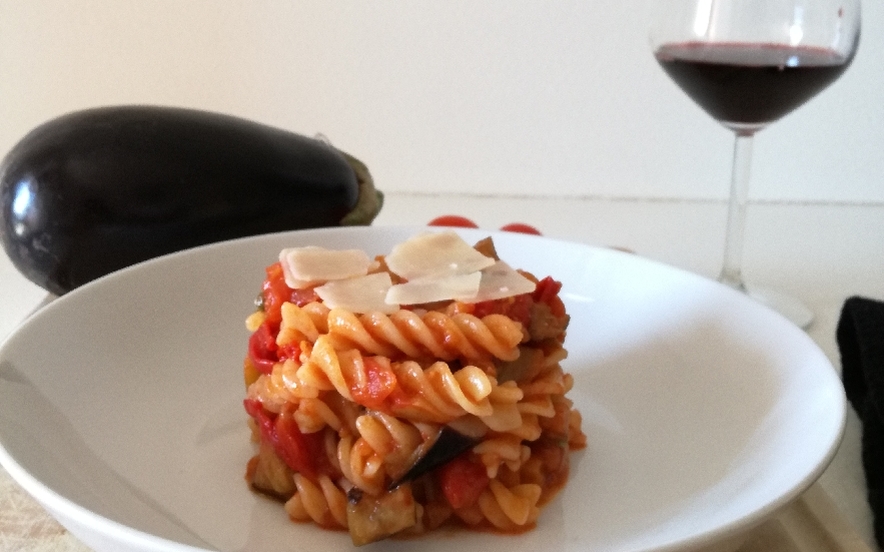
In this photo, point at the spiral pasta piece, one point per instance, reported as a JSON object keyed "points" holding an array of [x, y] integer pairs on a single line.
{"points": [[281, 386], [314, 414], [395, 440], [539, 392], [433, 334], [327, 369], [498, 450], [412, 327], [322, 502], [576, 437], [510, 508], [305, 323], [440, 395], [466, 336], [254, 320], [361, 465], [552, 382]]}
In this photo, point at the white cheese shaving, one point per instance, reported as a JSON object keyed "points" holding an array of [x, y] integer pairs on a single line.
{"points": [[437, 266], [310, 265], [435, 255], [427, 290], [360, 294], [500, 281]]}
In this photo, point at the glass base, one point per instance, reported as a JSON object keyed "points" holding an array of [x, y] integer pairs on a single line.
{"points": [[788, 306]]}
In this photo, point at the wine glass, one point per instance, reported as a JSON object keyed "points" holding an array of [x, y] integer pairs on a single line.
{"points": [[748, 63]]}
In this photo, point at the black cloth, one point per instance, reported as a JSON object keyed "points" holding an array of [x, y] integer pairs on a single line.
{"points": [[860, 336]]}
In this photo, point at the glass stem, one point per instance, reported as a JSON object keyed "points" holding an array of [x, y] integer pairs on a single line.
{"points": [[731, 272]]}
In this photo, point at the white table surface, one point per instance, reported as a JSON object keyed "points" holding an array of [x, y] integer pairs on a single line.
{"points": [[822, 253]]}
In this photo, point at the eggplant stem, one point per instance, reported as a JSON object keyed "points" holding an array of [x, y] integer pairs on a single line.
{"points": [[370, 199]]}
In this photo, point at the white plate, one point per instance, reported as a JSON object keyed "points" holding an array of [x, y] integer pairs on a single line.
{"points": [[121, 405]]}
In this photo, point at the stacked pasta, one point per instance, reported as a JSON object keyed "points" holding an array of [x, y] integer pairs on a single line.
{"points": [[399, 416]]}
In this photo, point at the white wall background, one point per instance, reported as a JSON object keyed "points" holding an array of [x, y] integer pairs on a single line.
{"points": [[516, 97]]}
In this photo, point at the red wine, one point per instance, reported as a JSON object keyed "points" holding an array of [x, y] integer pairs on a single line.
{"points": [[750, 84]]}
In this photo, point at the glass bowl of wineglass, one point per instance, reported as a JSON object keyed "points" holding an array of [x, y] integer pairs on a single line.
{"points": [[747, 63]]}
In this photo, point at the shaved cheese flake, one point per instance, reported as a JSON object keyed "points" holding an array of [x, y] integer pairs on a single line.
{"points": [[428, 290], [500, 281], [436, 266], [433, 255], [306, 266], [360, 294]]}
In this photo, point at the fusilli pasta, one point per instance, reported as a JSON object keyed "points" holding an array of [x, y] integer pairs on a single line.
{"points": [[420, 415]]}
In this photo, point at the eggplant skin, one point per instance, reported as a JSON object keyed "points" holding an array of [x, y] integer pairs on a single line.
{"points": [[97, 190]]}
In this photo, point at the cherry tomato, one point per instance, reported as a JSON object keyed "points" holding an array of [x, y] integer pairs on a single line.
{"points": [[521, 228], [453, 220]]}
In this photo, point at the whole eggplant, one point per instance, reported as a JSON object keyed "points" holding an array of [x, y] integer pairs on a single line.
{"points": [[97, 190]]}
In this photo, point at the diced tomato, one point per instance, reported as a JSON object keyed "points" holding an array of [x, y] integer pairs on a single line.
{"points": [[302, 452], [263, 418], [292, 350], [275, 292], [521, 228], [484, 308], [262, 348], [517, 307], [400, 399], [547, 291], [301, 297], [453, 220], [380, 383], [462, 481]]}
